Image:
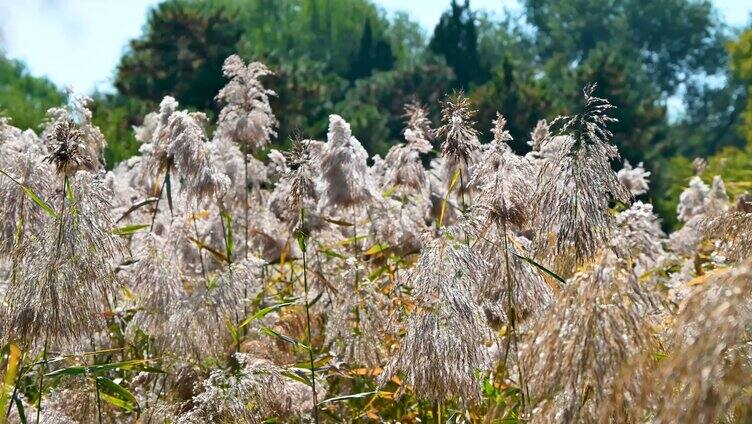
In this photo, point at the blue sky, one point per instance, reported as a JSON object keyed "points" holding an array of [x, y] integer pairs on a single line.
{"points": [[77, 43]]}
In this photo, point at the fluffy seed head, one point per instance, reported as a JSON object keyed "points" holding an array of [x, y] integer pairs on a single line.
{"points": [[460, 138]]}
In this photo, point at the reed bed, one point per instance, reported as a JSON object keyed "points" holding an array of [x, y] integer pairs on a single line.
{"points": [[453, 280]]}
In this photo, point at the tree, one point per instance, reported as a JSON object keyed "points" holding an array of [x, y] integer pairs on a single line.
{"points": [[672, 38], [407, 38], [306, 95], [372, 55], [24, 98], [503, 37], [116, 115], [180, 54], [316, 30], [456, 39], [638, 103], [375, 105], [712, 119], [513, 91], [741, 65]]}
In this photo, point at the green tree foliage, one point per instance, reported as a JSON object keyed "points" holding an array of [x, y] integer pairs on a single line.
{"points": [[741, 65], [25, 98], [671, 38], [734, 163], [317, 30], [374, 107], [672, 185], [308, 43], [637, 104], [372, 55], [716, 128], [503, 36], [116, 116], [180, 54], [456, 39], [348, 57], [407, 38], [523, 99], [306, 95]]}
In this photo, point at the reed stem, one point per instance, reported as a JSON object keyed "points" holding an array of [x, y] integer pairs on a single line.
{"points": [[61, 217], [308, 320], [42, 366], [12, 398]]}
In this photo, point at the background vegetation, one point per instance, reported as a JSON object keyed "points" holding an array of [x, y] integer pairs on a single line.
{"points": [[642, 53]]}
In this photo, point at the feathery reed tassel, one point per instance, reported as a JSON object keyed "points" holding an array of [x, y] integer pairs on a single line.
{"points": [[443, 348], [578, 184], [460, 138], [577, 350], [67, 270], [246, 117], [344, 180], [302, 191]]}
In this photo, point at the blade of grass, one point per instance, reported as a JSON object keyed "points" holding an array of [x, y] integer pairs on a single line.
{"points": [[135, 207], [132, 365], [264, 312], [541, 267], [14, 359], [21, 411], [453, 182], [217, 254], [348, 397], [33, 196], [229, 244], [128, 230], [116, 394], [168, 187], [269, 332]]}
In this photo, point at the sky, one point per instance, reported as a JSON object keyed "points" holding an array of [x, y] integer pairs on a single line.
{"points": [[78, 43]]}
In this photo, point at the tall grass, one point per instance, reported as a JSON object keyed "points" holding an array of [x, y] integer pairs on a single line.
{"points": [[454, 279]]}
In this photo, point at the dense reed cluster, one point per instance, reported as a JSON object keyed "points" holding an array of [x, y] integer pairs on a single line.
{"points": [[453, 279]]}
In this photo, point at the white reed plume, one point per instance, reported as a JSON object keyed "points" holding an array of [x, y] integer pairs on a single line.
{"points": [[67, 272], [154, 135], [698, 204], [191, 157], [692, 200], [158, 285], [578, 348], [636, 179], [22, 159], [460, 138], [246, 117], [540, 134], [731, 231], [638, 237], [418, 132], [256, 392], [356, 320], [88, 143], [404, 171], [301, 194], [442, 354], [504, 180], [705, 376], [344, 174], [578, 185]]}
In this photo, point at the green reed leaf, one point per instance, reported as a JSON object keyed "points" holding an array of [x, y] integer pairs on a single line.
{"points": [[116, 394]]}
